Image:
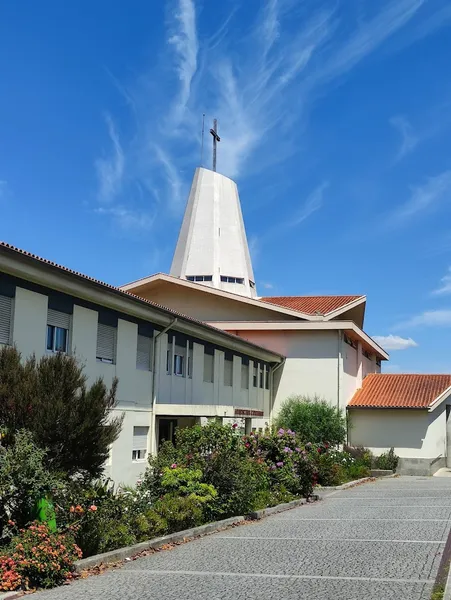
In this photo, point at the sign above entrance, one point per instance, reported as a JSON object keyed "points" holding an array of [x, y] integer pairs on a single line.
{"points": [[246, 412]]}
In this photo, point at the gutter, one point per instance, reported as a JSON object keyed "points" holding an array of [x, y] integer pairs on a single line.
{"points": [[272, 370]]}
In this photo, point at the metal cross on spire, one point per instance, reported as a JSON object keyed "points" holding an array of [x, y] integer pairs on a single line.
{"points": [[216, 138]]}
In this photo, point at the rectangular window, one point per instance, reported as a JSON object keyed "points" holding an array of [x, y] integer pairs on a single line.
{"points": [[227, 279], [367, 354], [179, 365], [228, 372], [209, 367], [5, 319], [106, 343], [144, 353], [199, 277], [378, 362], [252, 284], [58, 325], [267, 378], [244, 377], [262, 376], [139, 450], [255, 377]]}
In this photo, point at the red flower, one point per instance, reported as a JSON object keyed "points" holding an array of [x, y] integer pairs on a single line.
{"points": [[93, 508]]}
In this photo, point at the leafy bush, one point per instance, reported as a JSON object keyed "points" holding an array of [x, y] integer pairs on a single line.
{"points": [[39, 558], [313, 420], [240, 481], [52, 400], [23, 480], [388, 460], [360, 454]]}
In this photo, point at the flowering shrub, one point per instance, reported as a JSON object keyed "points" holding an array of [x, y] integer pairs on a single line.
{"points": [[38, 558], [10, 578], [288, 463]]}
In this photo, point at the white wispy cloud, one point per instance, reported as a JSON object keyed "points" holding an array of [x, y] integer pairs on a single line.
{"points": [[127, 218], [267, 285], [313, 203], [445, 285], [429, 318], [184, 40], [409, 139], [110, 171], [394, 342], [260, 84], [423, 197], [172, 177]]}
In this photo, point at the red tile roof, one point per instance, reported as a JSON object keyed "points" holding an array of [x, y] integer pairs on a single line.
{"points": [[312, 305], [382, 390]]}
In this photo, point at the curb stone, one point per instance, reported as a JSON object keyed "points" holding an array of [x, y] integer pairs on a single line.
{"points": [[10, 595], [123, 553], [350, 484], [265, 512], [447, 593]]}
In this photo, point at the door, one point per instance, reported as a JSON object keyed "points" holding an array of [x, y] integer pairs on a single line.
{"points": [[166, 430]]}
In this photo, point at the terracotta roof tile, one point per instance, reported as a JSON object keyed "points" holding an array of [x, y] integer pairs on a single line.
{"points": [[117, 290], [312, 305], [382, 390]]}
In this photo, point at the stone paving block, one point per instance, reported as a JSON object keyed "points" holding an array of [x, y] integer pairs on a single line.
{"points": [[128, 585], [344, 548], [338, 530]]}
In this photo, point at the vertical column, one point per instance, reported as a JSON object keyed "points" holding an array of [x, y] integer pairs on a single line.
{"points": [[359, 365], [247, 425]]}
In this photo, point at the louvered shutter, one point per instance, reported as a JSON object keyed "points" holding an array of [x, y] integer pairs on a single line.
{"points": [[144, 353], [106, 342], [58, 319], [5, 319], [140, 438], [228, 372]]}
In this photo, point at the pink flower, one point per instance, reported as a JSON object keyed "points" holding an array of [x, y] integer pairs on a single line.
{"points": [[174, 466], [93, 508]]}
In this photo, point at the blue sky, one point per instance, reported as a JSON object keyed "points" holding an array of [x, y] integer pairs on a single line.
{"points": [[335, 119]]}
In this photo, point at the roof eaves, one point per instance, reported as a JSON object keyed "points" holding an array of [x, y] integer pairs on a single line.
{"points": [[129, 295]]}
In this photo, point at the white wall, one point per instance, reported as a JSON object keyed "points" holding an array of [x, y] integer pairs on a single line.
{"points": [[30, 322], [350, 370], [175, 395], [311, 366], [412, 433]]}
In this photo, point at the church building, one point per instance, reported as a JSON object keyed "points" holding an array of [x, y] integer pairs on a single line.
{"points": [[200, 343]]}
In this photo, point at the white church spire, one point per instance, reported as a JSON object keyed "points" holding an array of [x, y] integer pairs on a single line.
{"points": [[212, 247]]}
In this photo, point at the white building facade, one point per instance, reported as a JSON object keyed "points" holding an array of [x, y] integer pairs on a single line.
{"points": [[172, 370]]}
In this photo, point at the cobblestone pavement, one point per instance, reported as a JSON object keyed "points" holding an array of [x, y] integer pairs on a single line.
{"points": [[381, 540]]}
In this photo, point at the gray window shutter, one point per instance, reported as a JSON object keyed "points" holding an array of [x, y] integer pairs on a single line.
{"points": [[144, 353], [228, 372], [5, 319], [140, 438], [208, 368], [244, 377], [106, 342], [58, 319]]}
